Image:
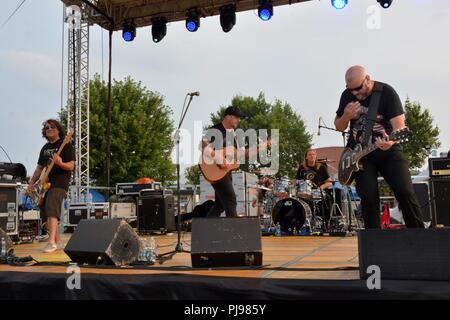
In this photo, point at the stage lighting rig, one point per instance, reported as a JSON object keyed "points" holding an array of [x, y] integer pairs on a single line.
{"points": [[159, 29], [192, 20], [227, 17], [129, 31], [339, 4], [265, 10]]}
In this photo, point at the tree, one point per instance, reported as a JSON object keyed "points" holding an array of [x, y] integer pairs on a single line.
{"points": [[425, 136], [293, 138], [192, 175], [141, 132]]}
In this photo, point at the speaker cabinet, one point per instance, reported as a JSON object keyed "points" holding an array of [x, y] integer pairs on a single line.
{"points": [[156, 213], [423, 196], [408, 254], [226, 242], [112, 241], [440, 195]]}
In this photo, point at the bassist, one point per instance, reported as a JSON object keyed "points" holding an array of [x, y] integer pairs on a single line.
{"points": [[388, 159], [59, 178]]}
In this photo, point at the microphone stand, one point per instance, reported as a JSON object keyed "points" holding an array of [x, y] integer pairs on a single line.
{"points": [[179, 245], [335, 205]]}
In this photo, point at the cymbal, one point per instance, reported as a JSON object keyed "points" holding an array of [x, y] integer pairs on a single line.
{"points": [[327, 160]]}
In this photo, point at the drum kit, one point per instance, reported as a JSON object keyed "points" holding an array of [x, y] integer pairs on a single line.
{"points": [[300, 208]]}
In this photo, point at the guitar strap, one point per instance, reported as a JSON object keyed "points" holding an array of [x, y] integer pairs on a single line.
{"points": [[372, 113]]}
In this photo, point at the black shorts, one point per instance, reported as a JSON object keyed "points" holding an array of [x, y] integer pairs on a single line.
{"points": [[52, 206]]}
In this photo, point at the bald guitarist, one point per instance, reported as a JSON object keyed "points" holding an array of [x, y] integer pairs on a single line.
{"points": [[355, 109], [219, 143]]}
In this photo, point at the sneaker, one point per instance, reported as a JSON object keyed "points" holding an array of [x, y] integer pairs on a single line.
{"points": [[60, 245], [51, 247]]}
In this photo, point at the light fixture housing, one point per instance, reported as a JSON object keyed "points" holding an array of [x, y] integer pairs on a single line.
{"points": [[227, 17]]}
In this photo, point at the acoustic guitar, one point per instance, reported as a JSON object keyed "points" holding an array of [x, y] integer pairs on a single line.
{"points": [[214, 170]]}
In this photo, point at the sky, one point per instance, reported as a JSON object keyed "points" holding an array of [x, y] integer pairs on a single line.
{"points": [[299, 56]]}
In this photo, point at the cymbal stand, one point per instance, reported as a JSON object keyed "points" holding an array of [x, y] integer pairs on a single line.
{"points": [[335, 209]]}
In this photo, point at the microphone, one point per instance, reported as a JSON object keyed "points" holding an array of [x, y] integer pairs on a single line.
{"points": [[318, 127], [196, 93]]}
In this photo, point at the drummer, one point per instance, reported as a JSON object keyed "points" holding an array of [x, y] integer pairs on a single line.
{"points": [[316, 172]]}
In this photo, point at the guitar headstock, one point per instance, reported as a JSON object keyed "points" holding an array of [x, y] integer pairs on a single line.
{"points": [[68, 137], [401, 135]]}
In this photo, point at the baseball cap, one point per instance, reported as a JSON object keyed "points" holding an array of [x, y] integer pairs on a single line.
{"points": [[234, 111]]}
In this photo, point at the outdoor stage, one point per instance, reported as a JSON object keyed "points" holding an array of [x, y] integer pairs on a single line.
{"points": [[307, 267]]}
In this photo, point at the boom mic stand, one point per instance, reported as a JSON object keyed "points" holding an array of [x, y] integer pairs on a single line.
{"points": [[335, 207], [179, 245]]}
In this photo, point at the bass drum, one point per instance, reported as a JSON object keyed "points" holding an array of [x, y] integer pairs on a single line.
{"points": [[290, 213]]}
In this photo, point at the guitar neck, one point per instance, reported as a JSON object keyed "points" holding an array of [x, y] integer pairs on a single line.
{"points": [[52, 164]]}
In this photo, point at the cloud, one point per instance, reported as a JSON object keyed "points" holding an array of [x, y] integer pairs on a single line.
{"points": [[36, 67]]}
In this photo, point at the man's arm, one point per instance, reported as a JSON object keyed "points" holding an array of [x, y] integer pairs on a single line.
{"points": [[68, 166], [36, 174], [326, 184], [351, 111], [397, 123]]}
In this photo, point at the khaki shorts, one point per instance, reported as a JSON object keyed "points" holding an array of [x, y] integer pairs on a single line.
{"points": [[53, 203]]}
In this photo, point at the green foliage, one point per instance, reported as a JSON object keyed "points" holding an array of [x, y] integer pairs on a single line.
{"points": [[293, 139], [425, 136], [192, 175], [141, 132]]}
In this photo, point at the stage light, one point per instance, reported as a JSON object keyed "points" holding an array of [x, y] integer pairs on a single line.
{"points": [[339, 4], [159, 29], [129, 31], [227, 17], [192, 21], [265, 10], [385, 3]]}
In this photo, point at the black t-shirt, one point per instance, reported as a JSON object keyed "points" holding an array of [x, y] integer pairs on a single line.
{"points": [[58, 177], [228, 137], [318, 176], [390, 107]]}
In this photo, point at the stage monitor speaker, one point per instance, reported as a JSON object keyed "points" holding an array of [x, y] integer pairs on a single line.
{"points": [[440, 195], [226, 242], [156, 213], [408, 254], [9, 244], [112, 241], [423, 196]]}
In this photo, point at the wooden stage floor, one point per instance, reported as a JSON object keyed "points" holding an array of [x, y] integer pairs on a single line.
{"points": [[301, 257]]}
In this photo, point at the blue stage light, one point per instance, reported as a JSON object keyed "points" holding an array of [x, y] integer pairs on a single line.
{"points": [[129, 31], [192, 20], [265, 10], [191, 25], [339, 4]]}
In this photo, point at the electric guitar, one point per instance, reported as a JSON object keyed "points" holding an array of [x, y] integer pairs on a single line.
{"points": [[209, 164], [350, 161], [42, 185]]}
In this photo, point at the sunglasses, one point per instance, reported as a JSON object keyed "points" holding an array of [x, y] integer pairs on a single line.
{"points": [[50, 126], [357, 88]]}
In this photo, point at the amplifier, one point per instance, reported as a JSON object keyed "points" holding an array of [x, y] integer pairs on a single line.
{"points": [[155, 192], [9, 216], [439, 167], [95, 210], [440, 195], [133, 188], [156, 213]]}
